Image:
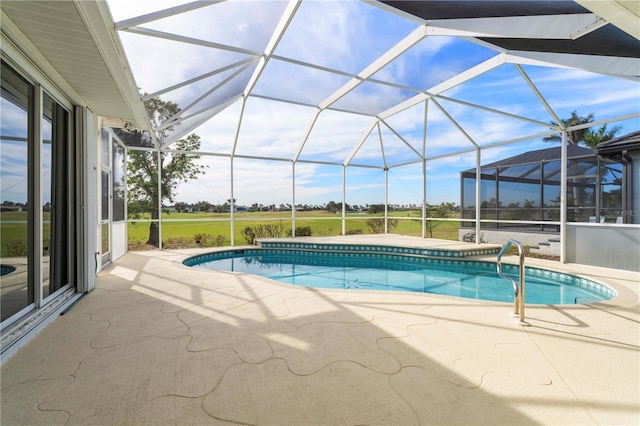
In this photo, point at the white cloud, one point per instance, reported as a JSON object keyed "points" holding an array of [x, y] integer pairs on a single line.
{"points": [[334, 135], [323, 34], [273, 129], [567, 90], [415, 67], [218, 133]]}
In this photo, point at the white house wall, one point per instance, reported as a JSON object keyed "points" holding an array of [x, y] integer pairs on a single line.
{"points": [[635, 183], [598, 244], [118, 239]]}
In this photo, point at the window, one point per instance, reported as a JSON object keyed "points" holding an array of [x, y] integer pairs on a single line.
{"points": [[119, 182], [611, 187], [105, 196]]}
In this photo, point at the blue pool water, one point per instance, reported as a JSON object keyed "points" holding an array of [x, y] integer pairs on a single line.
{"points": [[367, 271], [6, 269]]}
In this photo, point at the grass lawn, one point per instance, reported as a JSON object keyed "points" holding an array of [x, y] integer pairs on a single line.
{"points": [[178, 230], [13, 233]]}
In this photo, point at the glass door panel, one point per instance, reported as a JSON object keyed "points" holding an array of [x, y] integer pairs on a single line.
{"points": [[15, 235], [104, 216], [55, 173], [105, 243]]}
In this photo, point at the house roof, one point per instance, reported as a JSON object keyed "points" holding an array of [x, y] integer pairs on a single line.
{"points": [[546, 155], [628, 142]]}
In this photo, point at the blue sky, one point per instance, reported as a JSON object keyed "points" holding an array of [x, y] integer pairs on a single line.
{"points": [[347, 36], [13, 166]]}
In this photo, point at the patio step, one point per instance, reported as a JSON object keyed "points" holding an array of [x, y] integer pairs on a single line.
{"points": [[544, 243], [554, 240]]}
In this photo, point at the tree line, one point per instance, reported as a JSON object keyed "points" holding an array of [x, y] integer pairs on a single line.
{"points": [[442, 209]]}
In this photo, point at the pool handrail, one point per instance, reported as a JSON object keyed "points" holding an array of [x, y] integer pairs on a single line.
{"points": [[518, 293]]}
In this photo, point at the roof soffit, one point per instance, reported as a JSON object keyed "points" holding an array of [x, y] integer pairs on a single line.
{"points": [[75, 39]]}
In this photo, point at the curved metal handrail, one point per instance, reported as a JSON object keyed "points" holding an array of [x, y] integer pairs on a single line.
{"points": [[518, 293]]}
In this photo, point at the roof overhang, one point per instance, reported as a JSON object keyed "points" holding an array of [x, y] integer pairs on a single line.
{"points": [[523, 25], [624, 14], [628, 142], [76, 46]]}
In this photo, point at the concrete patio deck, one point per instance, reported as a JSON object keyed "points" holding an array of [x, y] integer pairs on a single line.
{"points": [[160, 343]]}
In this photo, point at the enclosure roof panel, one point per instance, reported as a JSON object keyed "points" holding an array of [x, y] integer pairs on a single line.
{"points": [[608, 40], [447, 9], [379, 74]]}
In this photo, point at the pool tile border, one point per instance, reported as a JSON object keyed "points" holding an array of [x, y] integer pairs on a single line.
{"points": [[369, 248]]}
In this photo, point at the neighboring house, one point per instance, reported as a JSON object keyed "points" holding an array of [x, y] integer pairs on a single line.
{"points": [[603, 202], [527, 187], [626, 150]]}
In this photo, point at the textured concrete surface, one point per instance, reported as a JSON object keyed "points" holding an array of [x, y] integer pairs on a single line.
{"points": [[160, 343]]}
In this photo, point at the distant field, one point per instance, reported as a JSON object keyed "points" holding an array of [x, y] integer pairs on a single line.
{"points": [[178, 228], [13, 233]]}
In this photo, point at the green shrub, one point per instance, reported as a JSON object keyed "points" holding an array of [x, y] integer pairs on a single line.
{"points": [[513, 249], [354, 231], [301, 231], [430, 225], [176, 243], [135, 243], [208, 240], [15, 248], [219, 240], [250, 234], [376, 225], [470, 237]]}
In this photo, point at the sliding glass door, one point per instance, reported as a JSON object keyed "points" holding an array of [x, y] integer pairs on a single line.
{"points": [[37, 195]]}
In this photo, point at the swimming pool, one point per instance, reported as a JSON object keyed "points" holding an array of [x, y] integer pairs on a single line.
{"points": [[399, 272], [6, 269]]}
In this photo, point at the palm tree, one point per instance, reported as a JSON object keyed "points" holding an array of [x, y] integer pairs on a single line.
{"points": [[590, 138], [593, 137], [574, 137]]}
